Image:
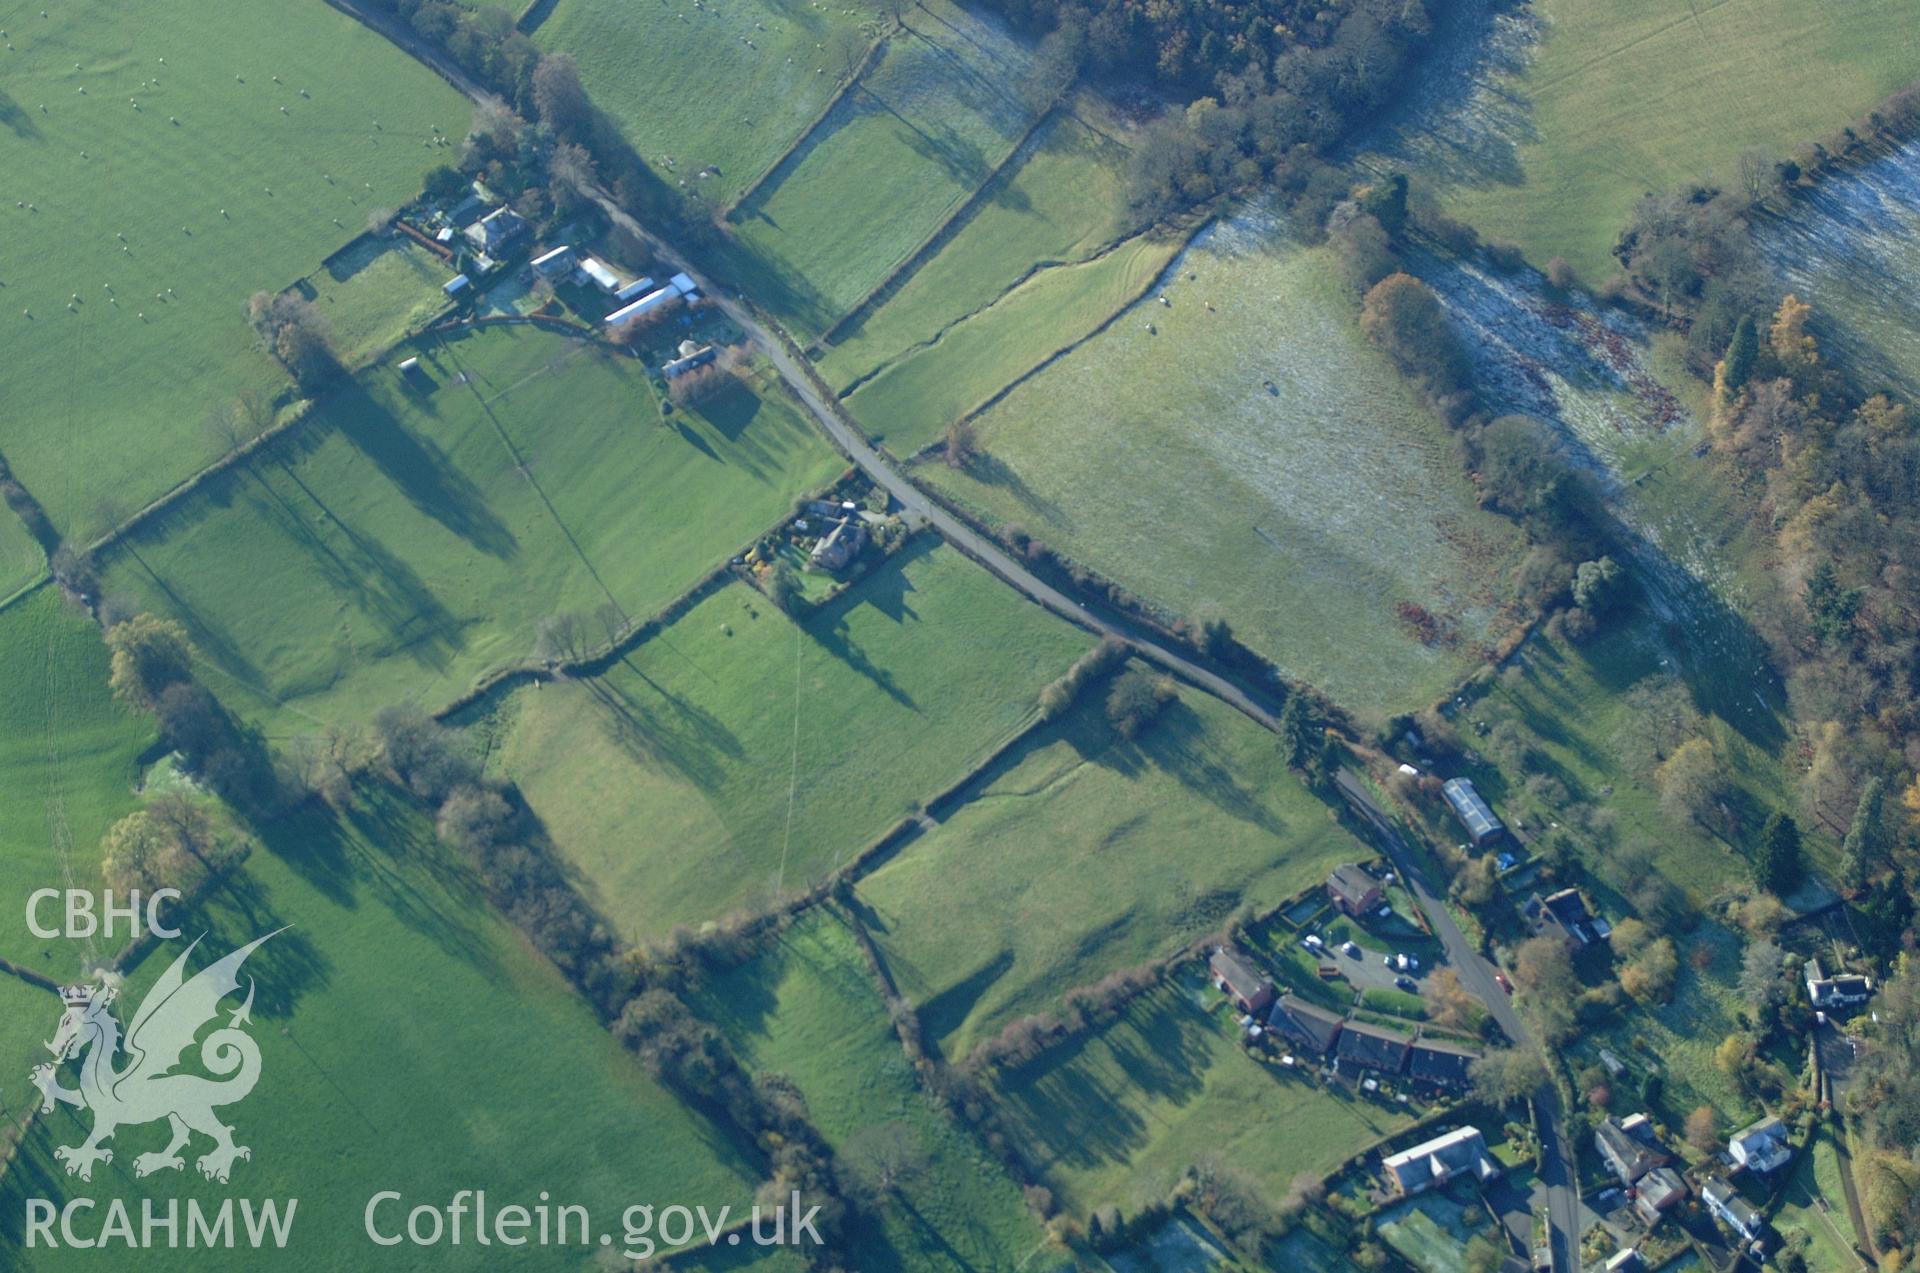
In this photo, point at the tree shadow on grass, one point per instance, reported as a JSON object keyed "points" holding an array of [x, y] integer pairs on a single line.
{"points": [[944, 1013], [241, 910], [402, 850], [1179, 743], [990, 470], [419, 470], [14, 118], [208, 638], [1457, 114], [885, 590], [1079, 1103], [677, 734], [380, 583]]}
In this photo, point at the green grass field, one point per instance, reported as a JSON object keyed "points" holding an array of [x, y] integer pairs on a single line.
{"points": [[688, 90], [990, 916], [1243, 451], [110, 398], [21, 560], [1594, 102], [739, 753], [1057, 203], [1117, 1116], [808, 1008], [411, 538], [895, 158], [909, 403], [69, 759], [410, 1041], [28, 1015], [377, 294]]}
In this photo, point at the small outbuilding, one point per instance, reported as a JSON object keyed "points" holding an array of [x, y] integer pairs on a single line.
{"points": [[456, 285], [555, 263], [1474, 813], [651, 301], [686, 362], [600, 274], [634, 290], [409, 365]]}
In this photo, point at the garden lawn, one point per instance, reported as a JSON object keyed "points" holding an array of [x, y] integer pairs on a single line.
{"points": [[410, 1041], [1815, 1203], [21, 560], [69, 760], [376, 294], [411, 538], [164, 217], [909, 402], [1591, 103], [739, 754], [1679, 1037], [1057, 202], [1084, 853], [808, 1008], [1241, 450], [1115, 1117], [687, 89], [893, 159]]}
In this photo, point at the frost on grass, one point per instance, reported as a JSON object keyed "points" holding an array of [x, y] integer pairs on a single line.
{"points": [[1851, 247]]}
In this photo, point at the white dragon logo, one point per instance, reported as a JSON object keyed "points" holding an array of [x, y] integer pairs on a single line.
{"points": [[147, 1089]]}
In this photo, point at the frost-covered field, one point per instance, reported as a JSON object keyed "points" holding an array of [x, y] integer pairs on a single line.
{"points": [[1597, 375], [1242, 450], [1852, 248]]}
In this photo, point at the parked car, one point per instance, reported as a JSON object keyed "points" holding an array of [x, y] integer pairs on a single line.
{"points": [[1505, 985], [1314, 943], [1385, 911], [1350, 950], [1407, 984]]}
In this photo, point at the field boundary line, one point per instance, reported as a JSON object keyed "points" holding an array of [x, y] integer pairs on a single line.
{"points": [[942, 234], [536, 12], [1032, 272], [1120, 311], [26, 590], [847, 85]]}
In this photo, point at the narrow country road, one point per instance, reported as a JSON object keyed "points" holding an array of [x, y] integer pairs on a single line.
{"points": [[912, 500], [1477, 976]]}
